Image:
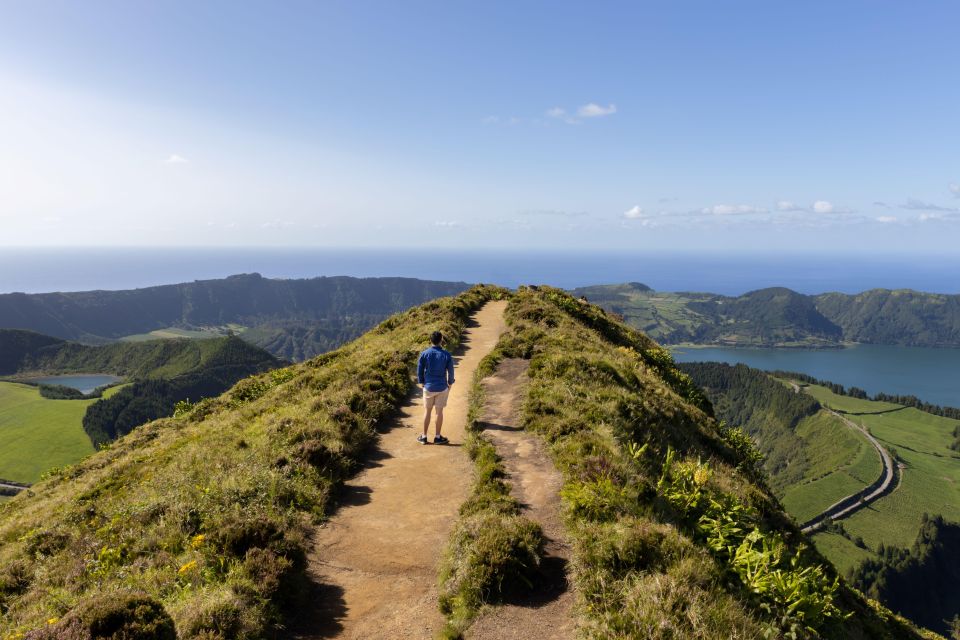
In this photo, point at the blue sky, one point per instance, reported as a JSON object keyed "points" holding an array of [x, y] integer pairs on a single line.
{"points": [[734, 125]]}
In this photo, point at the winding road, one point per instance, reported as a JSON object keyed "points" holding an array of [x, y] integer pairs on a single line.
{"points": [[855, 501]]}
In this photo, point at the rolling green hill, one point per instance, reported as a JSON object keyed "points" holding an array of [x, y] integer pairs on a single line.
{"points": [[149, 359], [206, 516], [293, 319], [781, 317]]}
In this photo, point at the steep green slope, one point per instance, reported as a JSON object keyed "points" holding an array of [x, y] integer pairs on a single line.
{"points": [[293, 319], [206, 514], [781, 317], [812, 458], [675, 534]]}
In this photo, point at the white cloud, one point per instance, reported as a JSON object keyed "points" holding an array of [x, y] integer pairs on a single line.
{"points": [[556, 112], [446, 223], [594, 110], [731, 209], [176, 158], [491, 120], [786, 205], [918, 205], [926, 217], [955, 189], [634, 213], [887, 219], [823, 206]]}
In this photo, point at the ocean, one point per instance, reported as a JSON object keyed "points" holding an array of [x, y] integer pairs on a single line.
{"points": [[35, 270]]}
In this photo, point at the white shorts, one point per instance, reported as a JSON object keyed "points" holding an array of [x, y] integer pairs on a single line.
{"points": [[436, 399]]}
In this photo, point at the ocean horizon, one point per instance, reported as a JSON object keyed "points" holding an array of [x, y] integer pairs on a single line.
{"points": [[38, 270]]}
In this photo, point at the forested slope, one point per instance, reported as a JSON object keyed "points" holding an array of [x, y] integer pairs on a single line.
{"points": [[781, 317]]}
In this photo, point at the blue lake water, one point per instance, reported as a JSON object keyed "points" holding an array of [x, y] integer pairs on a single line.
{"points": [[933, 375], [34, 270], [82, 382]]}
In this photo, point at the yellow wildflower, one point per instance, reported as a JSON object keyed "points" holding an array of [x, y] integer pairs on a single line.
{"points": [[53, 620], [187, 567], [197, 541]]}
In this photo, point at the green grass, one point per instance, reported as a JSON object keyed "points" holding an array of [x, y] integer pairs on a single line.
{"points": [[843, 553], [37, 434], [176, 332], [613, 409], [842, 463], [846, 404], [930, 482]]}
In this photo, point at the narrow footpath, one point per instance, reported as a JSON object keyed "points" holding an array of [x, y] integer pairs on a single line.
{"points": [[374, 563], [546, 613]]}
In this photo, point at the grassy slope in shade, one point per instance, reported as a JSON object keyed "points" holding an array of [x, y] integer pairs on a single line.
{"points": [[37, 434], [612, 407], [930, 482], [208, 513]]}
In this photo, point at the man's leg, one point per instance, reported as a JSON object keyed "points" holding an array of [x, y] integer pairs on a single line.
{"points": [[439, 421], [426, 419]]}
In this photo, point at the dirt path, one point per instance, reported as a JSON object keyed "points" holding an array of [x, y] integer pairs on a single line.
{"points": [[535, 483], [376, 560]]}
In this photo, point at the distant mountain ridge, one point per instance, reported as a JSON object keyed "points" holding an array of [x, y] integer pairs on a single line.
{"points": [[778, 316], [293, 319]]}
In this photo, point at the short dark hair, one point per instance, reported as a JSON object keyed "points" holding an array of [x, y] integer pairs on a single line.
{"points": [[436, 337]]}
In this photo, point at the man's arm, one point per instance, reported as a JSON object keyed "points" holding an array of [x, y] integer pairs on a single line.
{"points": [[421, 366], [450, 370]]}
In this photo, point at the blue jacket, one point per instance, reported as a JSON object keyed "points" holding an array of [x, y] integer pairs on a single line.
{"points": [[435, 369]]}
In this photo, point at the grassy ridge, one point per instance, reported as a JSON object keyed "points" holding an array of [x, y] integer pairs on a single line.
{"points": [[643, 465], [207, 513], [493, 550], [37, 434]]}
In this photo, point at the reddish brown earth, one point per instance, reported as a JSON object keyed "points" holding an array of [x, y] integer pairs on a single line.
{"points": [[547, 612]]}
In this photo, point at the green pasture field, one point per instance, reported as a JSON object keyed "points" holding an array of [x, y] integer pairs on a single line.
{"points": [[930, 479], [846, 404], [175, 332], [840, 551], [37, 434], [842, 463]]}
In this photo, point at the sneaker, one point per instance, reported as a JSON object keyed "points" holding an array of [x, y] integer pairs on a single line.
{"points": [[440, 440], [422, 439]]}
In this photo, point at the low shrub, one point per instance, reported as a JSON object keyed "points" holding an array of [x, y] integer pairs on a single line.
{"points": [[112, 616]]}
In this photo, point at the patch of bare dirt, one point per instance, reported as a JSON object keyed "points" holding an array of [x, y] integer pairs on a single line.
{"points": [[547, 612]]}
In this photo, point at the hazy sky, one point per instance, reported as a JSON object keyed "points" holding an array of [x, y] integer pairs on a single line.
{"points": [[733, 124]]}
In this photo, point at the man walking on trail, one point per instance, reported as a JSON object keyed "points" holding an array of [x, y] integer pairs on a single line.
{"points": [[435, 373]]}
